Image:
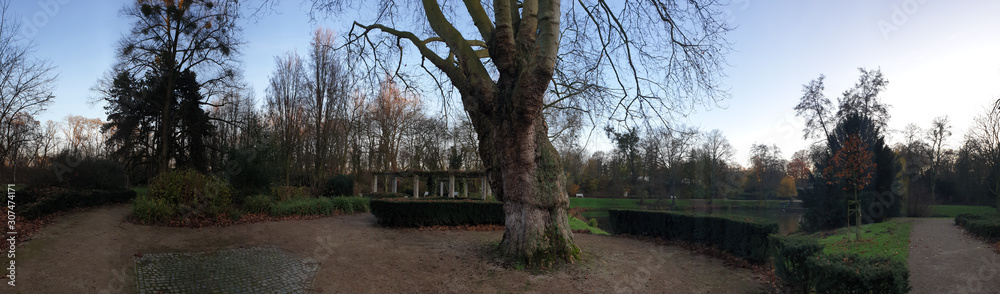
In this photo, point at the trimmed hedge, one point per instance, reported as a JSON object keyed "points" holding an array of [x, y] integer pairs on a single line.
{"points": [[743, 238], [398, 212], [849, 273], [791, 254], [38, 205], [799, 262], [982, 226]]}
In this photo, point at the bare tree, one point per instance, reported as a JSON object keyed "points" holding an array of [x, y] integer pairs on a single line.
{"points": [[169, 38], [393, 112], [815, 108], [286, 106], [25, 84], [327, 84], [718, 152], [863, 98], [939, 132], [628, 60]]}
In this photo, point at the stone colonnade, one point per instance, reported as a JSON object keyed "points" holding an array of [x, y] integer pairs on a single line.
{"points": [[393, 178]]}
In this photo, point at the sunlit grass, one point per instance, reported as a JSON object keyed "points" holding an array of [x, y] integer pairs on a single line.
{"points": [[955, 210], [577, 224], [890, 238]]}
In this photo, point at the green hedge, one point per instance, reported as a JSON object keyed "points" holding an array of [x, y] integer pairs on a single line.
{"points": [[418, 213], [982, 226], [791, 254], [746, 239], [36, 204], [849, 273], [799, 262]]}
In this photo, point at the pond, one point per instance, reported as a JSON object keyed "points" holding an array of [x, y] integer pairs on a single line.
{"points": [[788, 221]]}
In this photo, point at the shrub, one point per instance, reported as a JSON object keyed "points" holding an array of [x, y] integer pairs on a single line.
{"points": [[38, 202], [258, 203], [418, 213], [790, 256], [850, 273], [350, 204], [381, 195], [150, 210], [191, 194], [303, 207], [86, 173], [744, 238], [339, 185], [982, 226], [290, 192], [319, 206]]}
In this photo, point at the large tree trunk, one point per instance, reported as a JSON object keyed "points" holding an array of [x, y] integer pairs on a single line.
{"points": [[534, 195]]}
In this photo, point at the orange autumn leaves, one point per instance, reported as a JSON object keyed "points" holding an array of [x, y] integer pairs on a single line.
{"points": [[852, 165]]}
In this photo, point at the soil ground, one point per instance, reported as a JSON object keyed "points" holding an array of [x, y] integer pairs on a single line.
{"points": [[92, 252], [945, 260]]}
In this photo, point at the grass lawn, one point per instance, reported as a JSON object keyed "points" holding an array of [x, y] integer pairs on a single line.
{"points": [[955, 210], [890, 238], [747, 204], [577, 224], [603, 203]]}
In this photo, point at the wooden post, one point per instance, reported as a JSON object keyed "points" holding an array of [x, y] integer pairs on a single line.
{"points": [[451, 186], [395, 182], [416, 186], [374, 183]]}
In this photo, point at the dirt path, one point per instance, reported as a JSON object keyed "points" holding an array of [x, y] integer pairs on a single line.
{"points": [[91, 252], [945, 260]]}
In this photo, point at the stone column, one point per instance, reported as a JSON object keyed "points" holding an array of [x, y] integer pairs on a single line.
{"points": [[465, 188], [451, 186], [416, 186], [374, 183], [395, 182], [482, 186]]}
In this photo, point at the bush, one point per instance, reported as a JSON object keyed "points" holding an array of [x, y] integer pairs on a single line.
{"points": [[419, 213], [319, 206], [382, 195], [790, 256], [290, 192], [350, 204], [849, 273], [339, 185], [37, 202], [982, 226], [258, 204], [191, 194], [86, 173], [150, 210], [747, 239], [303, 207]]}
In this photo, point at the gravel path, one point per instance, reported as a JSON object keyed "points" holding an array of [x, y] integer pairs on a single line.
{"points": [[95, 252], [945, 260]]}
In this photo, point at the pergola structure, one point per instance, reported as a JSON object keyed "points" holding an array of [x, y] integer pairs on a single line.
{"points": [[393, 179]]}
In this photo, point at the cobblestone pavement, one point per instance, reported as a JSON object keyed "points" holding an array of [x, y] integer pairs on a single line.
{"points": [[240, 270]]}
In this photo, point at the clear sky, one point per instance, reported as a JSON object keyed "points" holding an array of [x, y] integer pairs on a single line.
{"points": [[940, 57]]}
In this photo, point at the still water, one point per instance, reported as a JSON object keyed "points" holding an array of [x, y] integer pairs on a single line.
{"points": [[788, 221]]}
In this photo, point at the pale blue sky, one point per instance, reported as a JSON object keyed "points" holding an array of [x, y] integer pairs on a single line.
{"points": [[940, 59]]}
